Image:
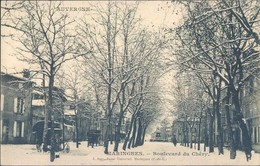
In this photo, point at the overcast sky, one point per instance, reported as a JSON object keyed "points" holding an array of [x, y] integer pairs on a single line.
{"points": [[155, 14]]}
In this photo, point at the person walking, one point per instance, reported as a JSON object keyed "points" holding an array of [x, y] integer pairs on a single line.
{"points": [[57, 147], [174, 140]]}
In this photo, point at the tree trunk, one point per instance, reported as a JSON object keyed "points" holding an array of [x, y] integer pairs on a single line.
{"points": [[46, 118], [199, 130], [219, 129], [211, 142], [143, 137], [183, 134], [186, 136], [130, 142], [134, 133], [219, 125], [190, 131], [128, 133], [220, 134], [77, 131], [117, 133], [206, 141], [246, 140], [109, 87], [107, 130], [63, 127], [139, 134], [50, 107], [229, 128]]}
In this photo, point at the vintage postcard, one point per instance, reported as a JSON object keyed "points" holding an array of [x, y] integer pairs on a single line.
{"points": [[130, 82]]}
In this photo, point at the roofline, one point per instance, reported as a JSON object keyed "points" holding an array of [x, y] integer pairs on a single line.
{"points": [[17, 77]]}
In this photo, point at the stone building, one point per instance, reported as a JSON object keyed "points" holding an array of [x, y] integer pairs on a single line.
{"points": [[184, 133], [251, 110], [60, 104], [250, 106], [16, 115]]}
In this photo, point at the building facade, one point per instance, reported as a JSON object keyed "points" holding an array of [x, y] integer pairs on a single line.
{"points": [[184, 133], [162, 135], [251, 110], [23, 106], [16, 117], [60, 104]]}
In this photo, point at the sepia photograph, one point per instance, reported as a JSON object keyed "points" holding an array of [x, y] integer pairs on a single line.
{"points": [[125, 82]]}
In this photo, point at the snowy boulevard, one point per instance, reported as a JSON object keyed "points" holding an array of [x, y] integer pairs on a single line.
{"points": [[152, 153]]}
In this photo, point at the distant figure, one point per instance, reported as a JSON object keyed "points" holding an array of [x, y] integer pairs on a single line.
{"points": [[174, 140], [39, 143], [57, 139], [57, 145], [92, 139]]}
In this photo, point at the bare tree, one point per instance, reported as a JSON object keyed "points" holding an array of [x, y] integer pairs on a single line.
{"points": [[189, 103], [73, 82], [47, 42], [103, 59], [223, 40], [7, 9], [124, 52]]}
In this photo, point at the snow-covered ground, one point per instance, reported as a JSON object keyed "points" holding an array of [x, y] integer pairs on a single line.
{"points": [[152, 153]]}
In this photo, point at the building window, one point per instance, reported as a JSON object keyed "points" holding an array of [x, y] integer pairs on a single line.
{"points": [[38, 96], [1, 129], [19, 105], [258, 134], [72, 107], [18, 130], [5, 130], [244, 90], [255, 135], [20, 85], [2, 102]]}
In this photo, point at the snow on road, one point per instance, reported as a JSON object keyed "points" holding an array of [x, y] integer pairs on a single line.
{"points": [[152, 153]]}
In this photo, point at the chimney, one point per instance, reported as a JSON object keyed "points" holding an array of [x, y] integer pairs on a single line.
{"points": [[26, 73]]}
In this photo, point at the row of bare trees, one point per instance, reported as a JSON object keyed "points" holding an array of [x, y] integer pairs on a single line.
{"points": [[218, 45], [190, 102], [124, 66], [119, 58], [46, 41]]}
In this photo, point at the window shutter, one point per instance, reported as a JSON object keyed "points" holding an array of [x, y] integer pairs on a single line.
{"points": [[15, 128], [15, 104], [258, 134], [22, 132], [23, 103], [2, 102], [1, 128]]}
